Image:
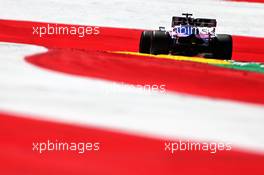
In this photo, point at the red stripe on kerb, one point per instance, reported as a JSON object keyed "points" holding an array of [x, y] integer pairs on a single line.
{"points": [[245, 48], [248, 49], [179, 76], [119, 153], [251, 1]]}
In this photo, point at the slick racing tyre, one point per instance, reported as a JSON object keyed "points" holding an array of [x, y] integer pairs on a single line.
{"points": [[160, 42], [222, 47], [145, 39]]}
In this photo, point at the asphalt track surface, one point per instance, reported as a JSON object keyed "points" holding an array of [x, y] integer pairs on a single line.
{"points": [[126, 154]]}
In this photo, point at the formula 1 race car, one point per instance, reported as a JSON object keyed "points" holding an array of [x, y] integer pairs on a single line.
{"points": [[188, 37]]}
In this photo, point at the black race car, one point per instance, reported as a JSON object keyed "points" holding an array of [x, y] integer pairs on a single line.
{"points": [[189, 37]]}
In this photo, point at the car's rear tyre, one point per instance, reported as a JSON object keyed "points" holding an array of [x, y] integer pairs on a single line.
{"points": [[160, 42], [222, 47], [145, 40]]}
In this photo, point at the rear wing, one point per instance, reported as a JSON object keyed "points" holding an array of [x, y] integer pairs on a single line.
{"points": [[181, 21], [198, 22], [203, 22]]}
